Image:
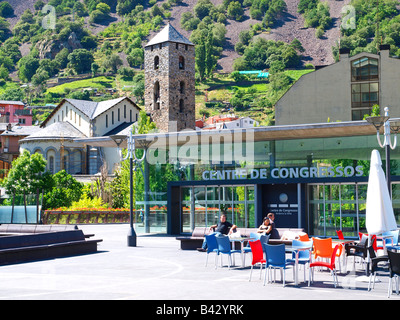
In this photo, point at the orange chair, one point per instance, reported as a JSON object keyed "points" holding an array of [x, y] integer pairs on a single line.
{"points": [[304, 237], [258, 256], [322, 248], [330, 265]]}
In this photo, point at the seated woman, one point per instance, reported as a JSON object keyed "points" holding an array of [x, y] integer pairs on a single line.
{"points": [[266, 226]]}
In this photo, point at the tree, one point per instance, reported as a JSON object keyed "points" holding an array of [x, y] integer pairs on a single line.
{"points": [[26, 175], [200, 58], [61, 58], [81, 60], [27, 67], [112, 62], [94, 68], [40, 78], [210, 61], [6, 10], [63, 189], [235, 11], [203, 8]]}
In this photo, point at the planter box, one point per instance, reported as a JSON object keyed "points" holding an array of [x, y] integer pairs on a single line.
{"points": [[82, 217]]}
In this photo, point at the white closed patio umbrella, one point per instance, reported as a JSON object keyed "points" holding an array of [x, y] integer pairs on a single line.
{"points": [[379, 216]]}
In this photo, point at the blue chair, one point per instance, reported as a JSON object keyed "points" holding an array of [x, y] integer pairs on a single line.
{"points": [[224, 247], [392, 242], [276, 258], [212, 246], [304, 256]]}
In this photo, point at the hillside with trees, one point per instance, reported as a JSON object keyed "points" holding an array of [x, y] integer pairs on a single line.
{"points": [[93, 49]]}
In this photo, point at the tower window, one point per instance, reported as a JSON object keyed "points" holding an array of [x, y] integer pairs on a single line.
{"points": [[186, 46], [157, 96], [160, 45], [177, 46], [181, 105], [156, 62], [181, 63], [182, 87]]}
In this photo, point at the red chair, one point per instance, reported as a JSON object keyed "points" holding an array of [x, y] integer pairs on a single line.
{"points": [[375, 244], [330, 265], [258, 255], [340, 234]]}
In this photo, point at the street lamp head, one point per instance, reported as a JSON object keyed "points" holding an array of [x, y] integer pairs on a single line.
{"points": [[118, 139], [377, 121], [395, 126]]}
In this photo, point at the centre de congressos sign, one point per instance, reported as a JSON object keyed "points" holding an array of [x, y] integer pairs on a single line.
{"points": [[283, 173]]}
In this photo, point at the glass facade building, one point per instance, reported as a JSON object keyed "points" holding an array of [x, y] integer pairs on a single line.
{"points": [[311, 176]]}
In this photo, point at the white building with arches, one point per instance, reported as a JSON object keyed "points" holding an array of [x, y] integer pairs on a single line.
{"points": [[73, 119]]}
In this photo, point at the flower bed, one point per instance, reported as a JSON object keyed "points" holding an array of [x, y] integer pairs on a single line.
{"points": [[60, 216]]}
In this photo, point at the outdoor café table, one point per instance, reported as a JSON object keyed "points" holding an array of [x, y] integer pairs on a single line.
{"points": [[241, 240], [296, 250]]}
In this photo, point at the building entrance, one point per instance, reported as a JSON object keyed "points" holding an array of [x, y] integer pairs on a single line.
{"points": [[200, 205]]}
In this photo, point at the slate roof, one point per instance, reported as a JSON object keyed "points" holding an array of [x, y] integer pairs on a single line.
{"points": [[20, 103], [169, 33], [90, 108], [55, 131], [18, 130], [122, 129]]}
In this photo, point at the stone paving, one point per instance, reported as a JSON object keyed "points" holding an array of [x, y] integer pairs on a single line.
{"points": [[158, 270]]}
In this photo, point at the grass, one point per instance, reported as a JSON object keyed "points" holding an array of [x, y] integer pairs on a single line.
{"points": [[101, 82]]}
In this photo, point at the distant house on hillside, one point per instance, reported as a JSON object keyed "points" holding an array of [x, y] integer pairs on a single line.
{"points": [[15, 112], [73, 119], [10, 134], [225, 122]]}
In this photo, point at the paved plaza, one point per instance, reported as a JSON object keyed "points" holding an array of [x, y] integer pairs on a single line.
{"points": [[158, 270]]}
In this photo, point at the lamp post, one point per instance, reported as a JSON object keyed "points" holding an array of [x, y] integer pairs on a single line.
{"points": [[132, 160], [389, 127]]}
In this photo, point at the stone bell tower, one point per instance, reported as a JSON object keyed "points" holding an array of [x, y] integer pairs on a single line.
{"points": [[170, 80]]}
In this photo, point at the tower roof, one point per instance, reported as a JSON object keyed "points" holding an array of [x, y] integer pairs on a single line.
{"points": [[169, 33]]}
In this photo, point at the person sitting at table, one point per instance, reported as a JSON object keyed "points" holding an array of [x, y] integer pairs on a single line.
{"points": [[266, 226], [223, 227], [274, 232]]}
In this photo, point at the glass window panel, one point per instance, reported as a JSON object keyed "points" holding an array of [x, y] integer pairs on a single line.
{"points": [[373, 62], [186, 207], [365, 97], [373, 96], [356, 97], [365, 87], [355, 88], [374, 87], [396, 200], [363, 62]]}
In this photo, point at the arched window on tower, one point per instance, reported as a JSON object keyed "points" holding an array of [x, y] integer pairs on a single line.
{"points": [[182, 87], [181, 105], [181, 63], [157, 96], [156, 62]]}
